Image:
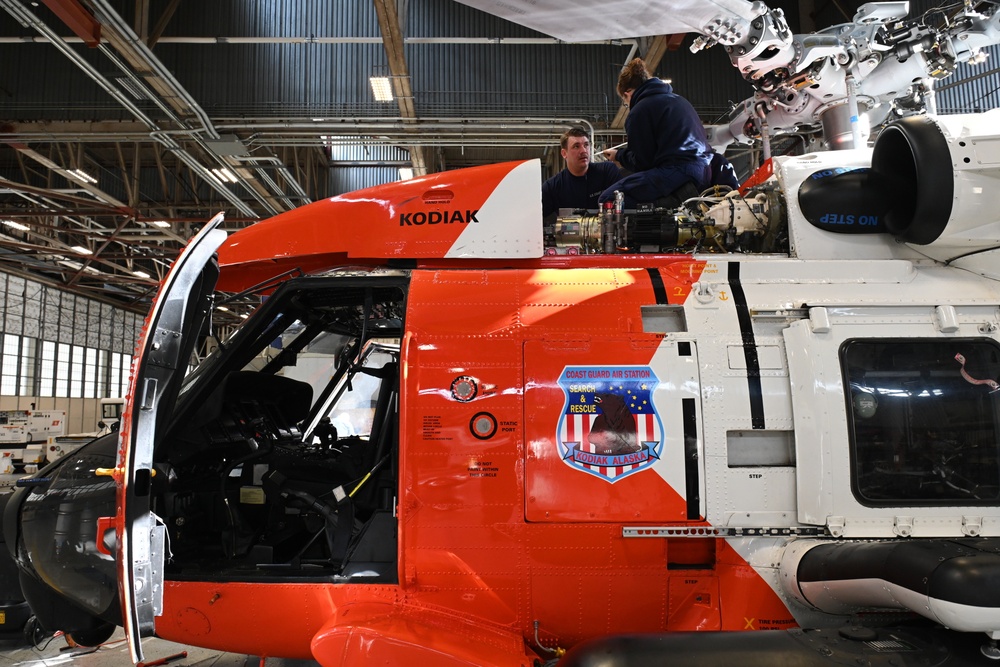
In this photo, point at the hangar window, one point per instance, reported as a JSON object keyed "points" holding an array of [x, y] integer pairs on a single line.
{"points": [[71, 371], [923, 417], [118, 371], [12, 358]]}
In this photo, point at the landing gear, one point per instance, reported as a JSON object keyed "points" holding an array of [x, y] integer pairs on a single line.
{"points": [[92, 637], [34, 633]]}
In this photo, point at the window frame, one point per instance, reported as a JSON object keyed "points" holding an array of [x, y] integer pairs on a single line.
{"points": [[852, 430]]}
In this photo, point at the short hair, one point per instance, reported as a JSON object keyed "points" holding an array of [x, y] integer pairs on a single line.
{"points": [[575, 131], [633, 75]]}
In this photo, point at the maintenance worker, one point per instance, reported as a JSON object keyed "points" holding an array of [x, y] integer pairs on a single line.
{"points": [[668, 150], [580, 184]]}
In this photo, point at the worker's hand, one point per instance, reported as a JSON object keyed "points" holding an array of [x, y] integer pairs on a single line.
{"points": [[610, 154]]}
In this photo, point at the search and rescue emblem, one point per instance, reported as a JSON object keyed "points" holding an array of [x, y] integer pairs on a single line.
{"points": [[609, 426]]}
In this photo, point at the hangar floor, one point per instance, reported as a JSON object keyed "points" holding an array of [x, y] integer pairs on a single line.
{"points": [[114, 653]]}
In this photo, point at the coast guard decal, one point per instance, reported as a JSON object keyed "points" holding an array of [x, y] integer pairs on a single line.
{"points": [[609, 427]]}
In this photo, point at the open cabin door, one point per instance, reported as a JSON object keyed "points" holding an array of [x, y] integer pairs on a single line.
{"points": [[179, 311]]}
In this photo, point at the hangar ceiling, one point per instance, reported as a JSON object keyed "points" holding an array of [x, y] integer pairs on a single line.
{"points": [[125, 124]]}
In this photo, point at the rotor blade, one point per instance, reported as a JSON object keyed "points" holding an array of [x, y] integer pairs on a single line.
{"points": [[593, 20]]}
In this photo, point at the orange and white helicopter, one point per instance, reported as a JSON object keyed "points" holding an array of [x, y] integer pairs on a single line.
{"points": [[449, 436]]}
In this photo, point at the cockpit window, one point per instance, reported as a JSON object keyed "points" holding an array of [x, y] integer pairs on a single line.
{"points": [[923, 418], [355, 402], [281, 461]]}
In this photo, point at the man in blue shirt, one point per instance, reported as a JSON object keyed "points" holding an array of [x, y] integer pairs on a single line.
{"points": [[580, 184]]}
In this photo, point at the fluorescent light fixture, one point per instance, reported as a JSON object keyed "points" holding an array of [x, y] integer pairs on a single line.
{"points": [[405, 173], [83, 251], [381, 88], [162, 224], [82, 175], [243, 316], [15, 225], [140, 274], [224, 174], [222, 308]]}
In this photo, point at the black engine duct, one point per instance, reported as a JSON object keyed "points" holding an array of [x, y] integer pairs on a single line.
{"points": [[908, 191]]}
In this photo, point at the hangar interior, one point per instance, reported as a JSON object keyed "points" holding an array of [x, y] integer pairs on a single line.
{"points": [[126, 124]]}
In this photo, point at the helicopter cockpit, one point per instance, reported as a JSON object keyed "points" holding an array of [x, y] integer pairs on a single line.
{"points": [[285, 466]]}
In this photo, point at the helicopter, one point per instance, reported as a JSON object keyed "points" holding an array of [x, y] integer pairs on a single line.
{"points": [[761, 426]]}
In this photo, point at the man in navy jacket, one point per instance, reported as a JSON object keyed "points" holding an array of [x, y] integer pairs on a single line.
{"points": [[580, 183], [667, 146]]}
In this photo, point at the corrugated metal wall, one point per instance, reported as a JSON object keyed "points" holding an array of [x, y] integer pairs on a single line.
{"points": [[39, 311], [311, 80], [347, 177], [296, 80], [972, 88], [332, 79], [66, 94], [34, 310]]}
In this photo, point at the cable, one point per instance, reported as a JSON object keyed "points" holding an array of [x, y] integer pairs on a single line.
{"points": [[368, 475]]}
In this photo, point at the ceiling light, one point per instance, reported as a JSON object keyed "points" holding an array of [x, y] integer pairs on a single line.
{"points": [[243, 316], [80, 174], [405, 173], [15, 225], [81, 250], [224, 174], [141, 274], [222, 308], [381, 88], [163, 224]]}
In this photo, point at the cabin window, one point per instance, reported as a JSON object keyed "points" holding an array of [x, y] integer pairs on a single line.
{"points": [[923, 421], [350, 405]]}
